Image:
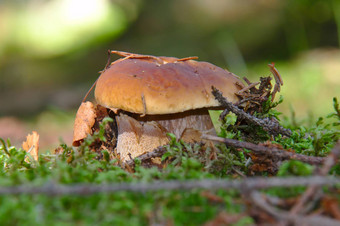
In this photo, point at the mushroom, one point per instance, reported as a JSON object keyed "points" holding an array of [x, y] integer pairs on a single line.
{"points": [[152, 96]]}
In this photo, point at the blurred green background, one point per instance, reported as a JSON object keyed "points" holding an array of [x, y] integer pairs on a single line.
{"points": [[52, 50]]}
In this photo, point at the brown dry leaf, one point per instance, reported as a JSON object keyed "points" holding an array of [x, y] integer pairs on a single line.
{"points": [[261, 163], [331, 206], [83, 123], [31, 145]]}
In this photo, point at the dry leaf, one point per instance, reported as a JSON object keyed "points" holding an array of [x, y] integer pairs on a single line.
{"points": [[31, 145], [83, 123], [331, 206]]}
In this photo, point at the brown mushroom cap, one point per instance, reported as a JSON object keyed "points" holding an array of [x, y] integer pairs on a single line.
{"points": [[162, 85]]}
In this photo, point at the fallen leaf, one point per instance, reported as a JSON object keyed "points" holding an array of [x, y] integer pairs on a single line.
{"points": [[331, 206], [31, 145], [83, 123]]}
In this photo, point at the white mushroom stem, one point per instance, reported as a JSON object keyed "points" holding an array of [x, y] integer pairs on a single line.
{"points": [[198, 119], [138, 135], [135, 138]]}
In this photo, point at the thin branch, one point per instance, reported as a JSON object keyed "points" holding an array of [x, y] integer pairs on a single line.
{"points": [[108, 60], [276, 74], [210, 184], [313, 192], [269, 151], [268, 125], [259, 200], [106, 67], [331, 159], [157, 152], [248, 87], [278, 79]]}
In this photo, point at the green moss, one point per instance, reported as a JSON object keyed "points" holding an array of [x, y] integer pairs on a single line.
{"points": [[81, 165]]}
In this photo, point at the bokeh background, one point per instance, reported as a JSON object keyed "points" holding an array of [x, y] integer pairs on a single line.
{"points": [[52, 50]]}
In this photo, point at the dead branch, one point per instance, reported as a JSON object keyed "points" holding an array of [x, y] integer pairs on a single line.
{"points": [[272, 127], [331, 159], [247, 184], [313, 192], [248, 87], [158, 152], [278, 79], [263, 150], [284, 216]]}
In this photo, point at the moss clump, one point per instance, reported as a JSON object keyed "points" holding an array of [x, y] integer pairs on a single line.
{"points": [[181, 161]]}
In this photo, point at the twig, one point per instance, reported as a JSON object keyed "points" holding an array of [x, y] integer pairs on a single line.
{"points": [[276, 74], [108, 60], [331, 159], [248, 87], [157, 152], [269, 151], [247, 80], [278, 79], [313, 191], [210, 184], [106, 67], [268, 125], [259, 200]]}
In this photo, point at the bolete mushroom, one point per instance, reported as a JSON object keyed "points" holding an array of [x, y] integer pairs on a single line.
{"points": [[152, 96]]}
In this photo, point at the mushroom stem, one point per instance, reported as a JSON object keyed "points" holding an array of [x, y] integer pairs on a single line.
{"points": [[198, 119], [135, 138], [138, 135]]}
